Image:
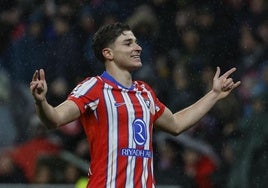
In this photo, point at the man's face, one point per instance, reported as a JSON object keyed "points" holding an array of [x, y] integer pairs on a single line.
{"points": [[126, 51]]}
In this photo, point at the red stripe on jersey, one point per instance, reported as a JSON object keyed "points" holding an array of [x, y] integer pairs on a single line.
{"points": [[139, 160], [122, 136]]}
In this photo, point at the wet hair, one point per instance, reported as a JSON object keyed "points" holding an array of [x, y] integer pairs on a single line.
{"points": [[105, 36]]}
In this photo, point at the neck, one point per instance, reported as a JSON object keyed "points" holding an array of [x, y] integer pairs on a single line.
{"points": [[122, 76]]}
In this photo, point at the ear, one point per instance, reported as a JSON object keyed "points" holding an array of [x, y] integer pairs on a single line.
{"points": [[107, 53]]}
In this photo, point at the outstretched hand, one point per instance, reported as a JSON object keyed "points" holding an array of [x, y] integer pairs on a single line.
{"points": [[223, 84], [38, 86]]}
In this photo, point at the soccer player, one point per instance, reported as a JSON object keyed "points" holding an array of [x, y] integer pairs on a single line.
{"points": [[118, 114]]}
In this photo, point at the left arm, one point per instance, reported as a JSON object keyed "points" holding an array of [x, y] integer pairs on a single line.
{"points": [[186, 118]]}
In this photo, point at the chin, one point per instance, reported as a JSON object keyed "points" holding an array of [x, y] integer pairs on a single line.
{"points": [[136, 66]]}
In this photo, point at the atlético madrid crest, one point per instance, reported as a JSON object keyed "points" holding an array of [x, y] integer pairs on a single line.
{"points": [[149, 105]]}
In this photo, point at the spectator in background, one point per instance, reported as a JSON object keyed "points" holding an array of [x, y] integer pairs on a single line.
{"points": [[252, 49], [11, 29], [205, 25], [198, 167], [187, 54], [9, 132], [63, 48], [62, 58], [28, 52], [169, 168], [71, 174], [252, 53], [15, 111], [181, 95], [262, 31], [165, 12], [44, 173], [85, 30], [27, 154], [9, 171], [250, 149], [145, 26]]}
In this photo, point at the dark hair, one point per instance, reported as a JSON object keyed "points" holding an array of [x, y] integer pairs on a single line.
{"points": [[105, 36]]}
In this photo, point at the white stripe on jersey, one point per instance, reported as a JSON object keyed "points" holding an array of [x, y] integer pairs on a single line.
{"points": [[83, 88], [154, 108], [131, 144], [146, 118], [113, 135]]}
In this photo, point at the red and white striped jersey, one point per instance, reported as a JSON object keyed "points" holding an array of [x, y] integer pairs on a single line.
{"points": [[118, 122]]}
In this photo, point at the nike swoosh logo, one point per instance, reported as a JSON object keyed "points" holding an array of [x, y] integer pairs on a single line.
{"points": [[117, 104]]}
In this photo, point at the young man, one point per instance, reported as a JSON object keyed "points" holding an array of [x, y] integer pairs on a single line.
{"points": [[118, 114]]}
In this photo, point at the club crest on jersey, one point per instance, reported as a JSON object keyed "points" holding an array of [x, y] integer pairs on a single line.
{"points": [[147, 102], [149, 105]]}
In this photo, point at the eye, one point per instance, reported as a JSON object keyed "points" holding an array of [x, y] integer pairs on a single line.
{"points": [[128, 44]]}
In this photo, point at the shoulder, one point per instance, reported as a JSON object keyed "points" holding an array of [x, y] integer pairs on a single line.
{"points": [[86, 85], [142, 85], [90, 81]]}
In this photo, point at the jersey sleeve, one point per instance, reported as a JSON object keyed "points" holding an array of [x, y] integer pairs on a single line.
{"points": [[85, 94], [159, 108]]}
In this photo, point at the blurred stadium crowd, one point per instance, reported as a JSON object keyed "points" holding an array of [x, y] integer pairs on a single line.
{"points": [[183, 41]]}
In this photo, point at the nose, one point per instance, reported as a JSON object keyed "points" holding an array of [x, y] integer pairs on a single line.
{"points": [[138, 47]]}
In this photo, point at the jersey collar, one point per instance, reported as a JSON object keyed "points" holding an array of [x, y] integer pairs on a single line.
{"points": [[107, 76]]}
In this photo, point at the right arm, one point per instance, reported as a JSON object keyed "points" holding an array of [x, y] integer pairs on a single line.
{"points": [[52, 117], [187, 117]]}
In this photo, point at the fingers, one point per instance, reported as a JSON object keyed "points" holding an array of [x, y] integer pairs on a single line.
{"points": [[236, 84], [217, 74], [228, 83], [229, 72], [33, 87], [35, 76], [42, 74], [39, 75]]}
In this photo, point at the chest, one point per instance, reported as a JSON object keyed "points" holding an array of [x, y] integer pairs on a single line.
{"points": [[124, 103]]}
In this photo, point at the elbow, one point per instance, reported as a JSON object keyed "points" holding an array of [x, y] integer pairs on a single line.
{"points": [[175, 132]]}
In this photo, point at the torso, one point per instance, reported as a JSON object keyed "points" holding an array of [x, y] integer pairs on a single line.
{"points": [[118, 123]]}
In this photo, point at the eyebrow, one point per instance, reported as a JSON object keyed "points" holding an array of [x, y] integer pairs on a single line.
{"points": [[130, 40]]}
